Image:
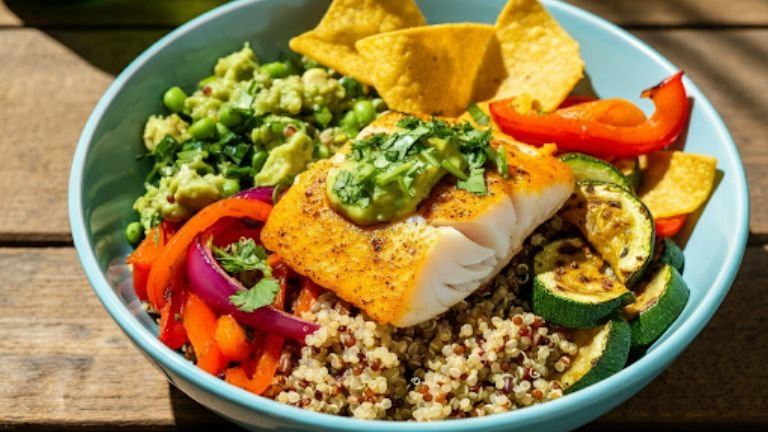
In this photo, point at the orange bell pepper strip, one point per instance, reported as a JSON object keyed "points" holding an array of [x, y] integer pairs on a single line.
{"points": [[231, 339], [265, 365], [614, 112], [670, 226], [172, 256], [145, 254], [200, 323], [602, 139]]}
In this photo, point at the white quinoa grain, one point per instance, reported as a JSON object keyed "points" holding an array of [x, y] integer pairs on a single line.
{"points": [[472, 361]]}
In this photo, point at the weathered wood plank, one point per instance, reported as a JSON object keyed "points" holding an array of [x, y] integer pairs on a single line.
{"points": [[52, 81], [679, 13], [37, 13], [66, 364]]}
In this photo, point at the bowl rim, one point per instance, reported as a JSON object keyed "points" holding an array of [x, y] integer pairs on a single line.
{"points": [[633, 375]]}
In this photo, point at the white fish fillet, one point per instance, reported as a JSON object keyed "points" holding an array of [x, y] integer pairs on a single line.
{"points": [[409, 271]]}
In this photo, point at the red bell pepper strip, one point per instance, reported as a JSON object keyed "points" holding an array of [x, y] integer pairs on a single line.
{"points": [[172, 256], [614, 112], [670, 226], [172, 331], [600, 139], [575, 100]]}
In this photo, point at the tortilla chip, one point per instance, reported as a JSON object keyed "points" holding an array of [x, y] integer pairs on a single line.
{"points": [[427, 70], [676, 183], [540, 58], [332, 42]]}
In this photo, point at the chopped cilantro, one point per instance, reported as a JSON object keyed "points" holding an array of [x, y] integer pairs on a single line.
{"points": [[247, 261], [478, 115], [475, 183], [260, 295], [389, 174]]}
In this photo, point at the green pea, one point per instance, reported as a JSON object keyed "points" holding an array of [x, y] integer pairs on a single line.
{"points": [[230, 187], [134, 233], [174, 99], [323, 151], [277, 127], [275, 70], [258, 159], [350, 124], [203, 128], [379, 105], [229, 117], [364, 112]]}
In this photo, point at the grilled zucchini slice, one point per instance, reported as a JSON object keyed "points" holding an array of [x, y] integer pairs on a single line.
{"points": [[585, 167], [658, 304], [616, 223], [573, 286], [603, 351]]}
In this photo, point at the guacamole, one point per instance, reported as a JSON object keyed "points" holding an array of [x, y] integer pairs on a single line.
{"points": [[385, 176], [248, 124]]}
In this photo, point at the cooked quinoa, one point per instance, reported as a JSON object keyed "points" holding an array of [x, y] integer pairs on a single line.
{"points": [[488, 354]]}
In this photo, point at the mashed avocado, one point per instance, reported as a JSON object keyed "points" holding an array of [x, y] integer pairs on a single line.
{"points": [[178, 197], [159, 127], [286, 160], [237, 66], [385, 177], [247, 125]]}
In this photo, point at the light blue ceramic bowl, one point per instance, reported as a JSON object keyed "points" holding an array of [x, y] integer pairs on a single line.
{"points": [[106, 179]]}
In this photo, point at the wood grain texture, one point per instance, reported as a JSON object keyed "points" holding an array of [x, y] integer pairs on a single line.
{"points": [[131, 13], [53, 80], [66, 364]]}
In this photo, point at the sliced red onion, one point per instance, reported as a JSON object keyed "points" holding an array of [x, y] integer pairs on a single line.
{"points": [[261, 193], [214, 286]]}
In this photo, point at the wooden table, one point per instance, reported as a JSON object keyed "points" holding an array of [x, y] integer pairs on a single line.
{"points": [[63, 361]]}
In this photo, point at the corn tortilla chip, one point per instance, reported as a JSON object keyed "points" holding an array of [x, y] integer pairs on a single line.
{"points": [[427, 70], [675, 183], [540, 58], [332, 42]]}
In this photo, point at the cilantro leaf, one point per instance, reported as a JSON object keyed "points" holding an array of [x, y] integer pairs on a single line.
{"points": [[242, 256], [246, 261], [475, 183], [478, 115], [260, 295]]}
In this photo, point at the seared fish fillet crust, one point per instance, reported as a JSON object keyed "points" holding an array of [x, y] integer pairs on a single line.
{"points": [[409, 271]]}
